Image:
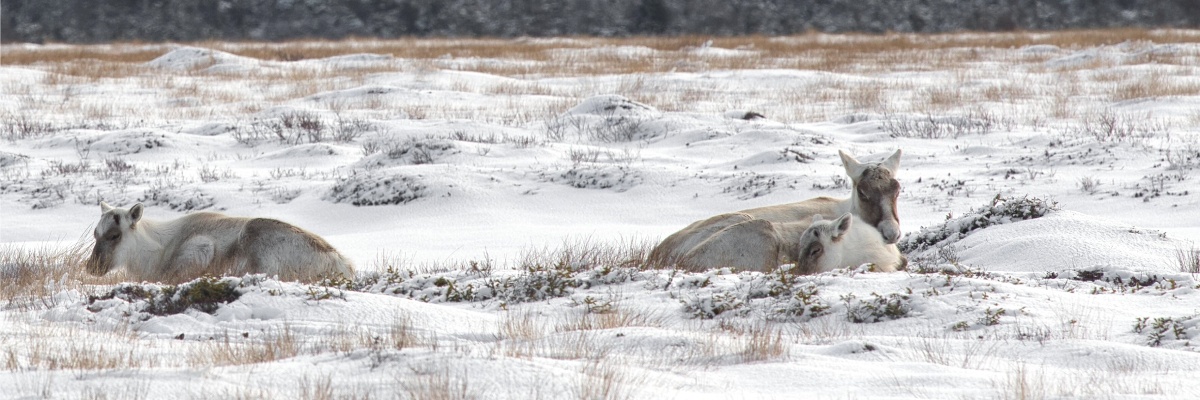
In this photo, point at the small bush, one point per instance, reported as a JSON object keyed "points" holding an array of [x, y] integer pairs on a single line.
{"points": [[750, 185], [1089, 185], [1189, 259], [1162, 329], [366, 188], [708, 307], [591, 176], [992, 317], [930, 127], [205, 294], [1111, 126], [877, 308], [25, 125], [176, 198], [804, 302], [1107, 280], [1002, 210]]}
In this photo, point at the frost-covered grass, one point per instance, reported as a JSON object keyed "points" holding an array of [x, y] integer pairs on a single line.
{"points": [[499, 198]]}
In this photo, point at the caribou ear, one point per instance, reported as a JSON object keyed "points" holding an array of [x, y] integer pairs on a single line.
{"points": [[854, 169], [892, 163], [817, 218], [135, 213], [104, 207], [842, 226]]}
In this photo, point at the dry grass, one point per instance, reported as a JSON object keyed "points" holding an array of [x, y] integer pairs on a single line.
{"points": [[966, 351], [1188, 258], [762, 342], [241, 350], [844, 53], [1021, 383], [29, 277], [604, 380], [616, 317], [822, 331], [526, 334], [110, 53], [1155, 84], [87, 355], [440, 384], [584, 252], [981, 62], [520, 326], [320, 388], [34, 345], [345, 339]]}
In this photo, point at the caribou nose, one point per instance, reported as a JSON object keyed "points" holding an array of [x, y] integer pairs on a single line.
{"points": [[889, 231], [891, 236]]}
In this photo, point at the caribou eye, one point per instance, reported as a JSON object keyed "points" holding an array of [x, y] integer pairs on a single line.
{"points": [[815, 251], [114, 235]]}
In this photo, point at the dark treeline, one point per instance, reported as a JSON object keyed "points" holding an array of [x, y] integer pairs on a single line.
{"points": [[89, 21]]}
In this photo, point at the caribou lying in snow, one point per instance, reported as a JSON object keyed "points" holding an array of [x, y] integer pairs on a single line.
{"points": [[208, 243], [845, 242], [766, 237]]}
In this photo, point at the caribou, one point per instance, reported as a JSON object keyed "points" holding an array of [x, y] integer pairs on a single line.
{"points": [[768, 235], [209, 243]]}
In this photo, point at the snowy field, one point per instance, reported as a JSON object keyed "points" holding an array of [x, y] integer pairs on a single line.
{"points": [[498, 198]]}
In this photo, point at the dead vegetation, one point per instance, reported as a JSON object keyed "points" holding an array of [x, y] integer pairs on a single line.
{"points": [[30, 277], [979, 64], [563, 57]]}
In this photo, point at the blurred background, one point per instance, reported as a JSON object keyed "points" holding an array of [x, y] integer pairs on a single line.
{"points": [[91, 21]]}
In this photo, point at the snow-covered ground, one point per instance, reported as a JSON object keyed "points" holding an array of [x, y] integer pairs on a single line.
{"points": [[469, 202]]}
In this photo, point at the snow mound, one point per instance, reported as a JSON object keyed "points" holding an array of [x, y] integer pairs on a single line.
{"points": [[376, 188], [1023, 234], [354, 58], [596, 176], [611, 105], [177, 198], [1068, 240], [708, 51], [7, 158], [307, 150], [204, 307], [1079, 58], [611, 118], [132, 141], [1040, 49], [411, 151], [210, 129], [358, 93], [744, 114], [193, 58]]}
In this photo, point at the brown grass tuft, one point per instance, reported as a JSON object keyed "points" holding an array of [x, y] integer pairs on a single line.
{"points": [[761, 342], [266, 347], [602, 379], [29, 277], [614, 317], [840, 53], [441, 384]]}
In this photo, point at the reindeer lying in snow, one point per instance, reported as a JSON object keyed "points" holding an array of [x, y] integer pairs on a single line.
{"points": [[844, 242], [815, 246], [763, 238], [207, 243]]}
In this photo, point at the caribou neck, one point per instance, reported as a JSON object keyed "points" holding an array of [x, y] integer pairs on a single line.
{"points": [[847, 205], [147, 242]]}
